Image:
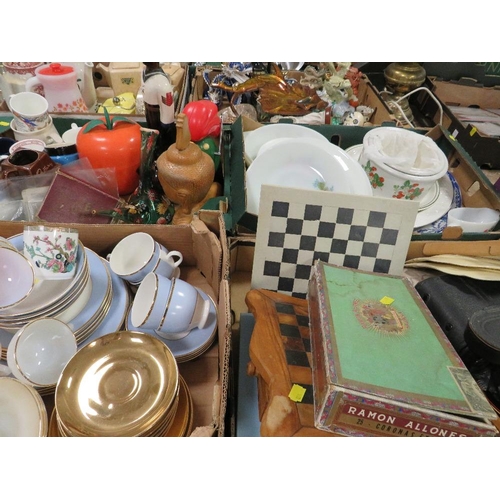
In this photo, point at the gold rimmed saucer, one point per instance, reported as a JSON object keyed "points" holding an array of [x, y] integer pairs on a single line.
{"points": [[121, 384], [181, 425]]}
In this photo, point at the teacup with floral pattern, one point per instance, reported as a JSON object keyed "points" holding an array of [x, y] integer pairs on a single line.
{"points": [[53, 251]]}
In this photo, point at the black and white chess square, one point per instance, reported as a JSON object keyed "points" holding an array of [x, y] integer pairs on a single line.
{"points": [[297, 227]]}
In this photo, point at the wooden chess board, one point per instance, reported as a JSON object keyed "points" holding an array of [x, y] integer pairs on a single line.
{"points": [[280, 358]]}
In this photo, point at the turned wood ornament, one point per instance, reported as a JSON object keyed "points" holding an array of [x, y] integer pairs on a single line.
{"points": [[186, 173]]}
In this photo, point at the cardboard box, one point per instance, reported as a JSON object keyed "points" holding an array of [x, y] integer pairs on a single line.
{"points": [[381, 364], [367, 94], [466, 92], [476, 188], [203, 245]]}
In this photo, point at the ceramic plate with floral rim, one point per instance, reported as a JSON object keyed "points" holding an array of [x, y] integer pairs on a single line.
{"points": [[298, 165]]}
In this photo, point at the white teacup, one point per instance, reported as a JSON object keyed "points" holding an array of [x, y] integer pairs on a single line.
{"points": [[138, 254], [53, 251], [30, 111], [172, 308], [48, 134]]}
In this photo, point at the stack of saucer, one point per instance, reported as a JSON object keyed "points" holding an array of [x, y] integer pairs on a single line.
{"points": [[123, 384], [182, 423]]}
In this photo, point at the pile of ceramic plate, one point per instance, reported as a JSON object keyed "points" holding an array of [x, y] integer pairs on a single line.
{"points": [[92, 303], [61, 299], [122, 384], [294, 156]]}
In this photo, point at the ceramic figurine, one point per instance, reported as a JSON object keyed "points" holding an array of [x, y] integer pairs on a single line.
{"points": [[354, 118], [276, 95], [158, 96], [186, 174], [333, 81], [231, 74]]}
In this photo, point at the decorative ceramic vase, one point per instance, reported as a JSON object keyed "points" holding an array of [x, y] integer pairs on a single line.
{"points": [[186, 173]]}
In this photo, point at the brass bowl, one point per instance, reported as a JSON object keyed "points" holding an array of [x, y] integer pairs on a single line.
{"points": [[118, 385]]}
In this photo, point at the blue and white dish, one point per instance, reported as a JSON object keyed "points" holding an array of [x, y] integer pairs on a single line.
{"points": [[450, 197]]}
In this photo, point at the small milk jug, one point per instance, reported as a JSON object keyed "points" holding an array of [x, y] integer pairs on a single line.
{"points": [[60, 88]]}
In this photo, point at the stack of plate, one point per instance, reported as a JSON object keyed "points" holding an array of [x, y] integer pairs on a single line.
{"points": [[104, 312], [122, 384], [61, 299]]}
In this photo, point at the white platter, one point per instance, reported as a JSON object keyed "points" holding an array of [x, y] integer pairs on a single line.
{"points": [[304, 164], [255, 139]]}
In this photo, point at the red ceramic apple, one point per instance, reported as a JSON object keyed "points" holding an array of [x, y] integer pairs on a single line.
{"points": [[203, 119], [113, 143]]}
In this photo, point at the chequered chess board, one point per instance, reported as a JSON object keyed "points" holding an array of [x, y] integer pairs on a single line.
{"points": [[294, 331], [298, 227]]}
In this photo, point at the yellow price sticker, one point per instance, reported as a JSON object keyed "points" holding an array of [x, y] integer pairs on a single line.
{"points": [[473, 130], [4, 124], [297, 393], [387, 300]]}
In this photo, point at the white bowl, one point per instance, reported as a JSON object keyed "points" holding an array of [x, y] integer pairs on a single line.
{"points": [[473, 220], [352, 169], [40, 351], [17, 277], [22, 410], [255, 139], [306, 166], [402, 164]]}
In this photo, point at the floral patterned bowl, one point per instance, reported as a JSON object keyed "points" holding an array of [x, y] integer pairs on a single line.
{"points": [[402, 164]]}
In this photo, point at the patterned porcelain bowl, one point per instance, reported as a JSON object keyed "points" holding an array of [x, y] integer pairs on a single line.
{"points": [[402, 164]]}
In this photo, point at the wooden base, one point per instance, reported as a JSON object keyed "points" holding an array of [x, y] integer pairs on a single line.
{"points": [[280, 358]]}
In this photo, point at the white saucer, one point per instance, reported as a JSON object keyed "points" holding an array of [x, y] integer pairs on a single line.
{"points": [[195, 343], [440, 207]]}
